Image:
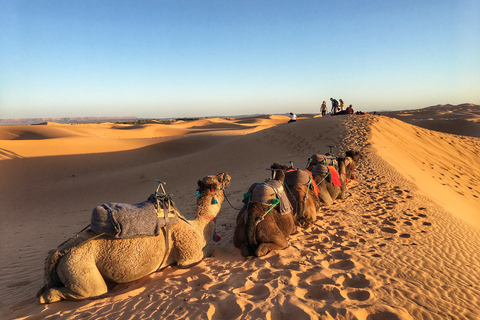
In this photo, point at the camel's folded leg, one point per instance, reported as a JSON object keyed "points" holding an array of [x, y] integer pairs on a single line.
{"points": [[82, 278], [62, 293], [278, 242]]}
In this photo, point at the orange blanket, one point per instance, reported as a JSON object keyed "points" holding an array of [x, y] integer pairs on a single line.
{"points": [[335, 178], [315, 187]]}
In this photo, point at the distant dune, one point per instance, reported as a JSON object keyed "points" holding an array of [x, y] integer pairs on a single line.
{"points": [[71, 120], [402, 245], [463, 119]]}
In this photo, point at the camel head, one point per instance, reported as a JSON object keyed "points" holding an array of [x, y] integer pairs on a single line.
{"points": [[213, 186], [278, 171], [355, 155]]}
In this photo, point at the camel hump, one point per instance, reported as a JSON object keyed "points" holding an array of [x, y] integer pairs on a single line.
{"points": [[297, 177]]}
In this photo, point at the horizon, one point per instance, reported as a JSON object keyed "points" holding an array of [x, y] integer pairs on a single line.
{"points": [[199, 59], [92, 119]]}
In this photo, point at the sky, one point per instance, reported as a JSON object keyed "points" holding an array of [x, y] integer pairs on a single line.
{"points": [[172, 59]]}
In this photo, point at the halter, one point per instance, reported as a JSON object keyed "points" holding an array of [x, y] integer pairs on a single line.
{"points": [[216, 237]]}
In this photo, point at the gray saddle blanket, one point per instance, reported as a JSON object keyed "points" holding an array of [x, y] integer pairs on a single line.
{"points": [[123, 220], [267, 191], [321, 171], [297, 177]]}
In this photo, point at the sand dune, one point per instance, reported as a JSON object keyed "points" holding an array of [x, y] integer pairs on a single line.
{"points": [[403, 245]]}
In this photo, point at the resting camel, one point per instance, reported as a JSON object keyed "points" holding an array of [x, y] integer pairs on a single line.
{"points": [[265, 222], [328, 191], [303, 194], [81, 267]]}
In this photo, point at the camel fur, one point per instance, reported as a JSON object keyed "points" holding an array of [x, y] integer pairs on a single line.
{"points": [[303, 197], [258, 232], [82, 267]]}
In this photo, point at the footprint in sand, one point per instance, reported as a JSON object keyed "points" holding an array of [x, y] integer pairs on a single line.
{"points": [[389, 230], [324, 292], [342, 265], [359, 295], [349, 280]]}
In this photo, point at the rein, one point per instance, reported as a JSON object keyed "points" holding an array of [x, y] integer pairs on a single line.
{"points": [[228, 201]]}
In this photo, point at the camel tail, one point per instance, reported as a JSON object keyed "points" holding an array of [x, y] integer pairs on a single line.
{"points": [[51, 277]]}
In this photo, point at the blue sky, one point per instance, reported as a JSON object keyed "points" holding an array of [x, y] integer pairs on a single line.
{"points": [[161, 59]]}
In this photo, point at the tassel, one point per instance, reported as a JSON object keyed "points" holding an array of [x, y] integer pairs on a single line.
{"points": [[214, 201], [198, 193], [216, 237]]}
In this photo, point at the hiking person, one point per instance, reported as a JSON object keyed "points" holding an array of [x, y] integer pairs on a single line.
{"points": [[323, 109], [334, 105]]}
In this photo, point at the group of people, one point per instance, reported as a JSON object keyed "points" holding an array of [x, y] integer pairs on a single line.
{"points": [[337, 108]]}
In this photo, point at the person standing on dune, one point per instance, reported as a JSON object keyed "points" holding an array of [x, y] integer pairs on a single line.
{"points": [[323, 109]]}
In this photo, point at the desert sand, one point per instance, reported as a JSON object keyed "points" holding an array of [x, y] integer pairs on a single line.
{"points": [[403, 245]]}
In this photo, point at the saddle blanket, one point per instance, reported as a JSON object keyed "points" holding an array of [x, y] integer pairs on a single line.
{"points": [[298, 176], [335, 178], [267, 191], [123, 220]]}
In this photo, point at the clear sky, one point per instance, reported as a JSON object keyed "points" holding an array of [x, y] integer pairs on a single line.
{"points": [[161, 59]]}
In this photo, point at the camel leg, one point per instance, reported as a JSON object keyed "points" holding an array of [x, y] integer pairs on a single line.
{"points": [[82, 278], [188, 253], [278, 242]]}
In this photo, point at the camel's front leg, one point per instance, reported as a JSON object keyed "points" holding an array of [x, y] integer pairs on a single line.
{"points": [[276, 242], [187, 248]]}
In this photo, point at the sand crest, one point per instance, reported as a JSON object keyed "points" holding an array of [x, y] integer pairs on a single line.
{"points": [[403, 245]]}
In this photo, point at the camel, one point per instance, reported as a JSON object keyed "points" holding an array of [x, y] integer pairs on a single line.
{"points": [[328, 191], [303, 194], [265, 222], [82, 267]]}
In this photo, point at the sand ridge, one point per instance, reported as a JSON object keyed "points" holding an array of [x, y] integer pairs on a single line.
{"points": [[389, 251]]}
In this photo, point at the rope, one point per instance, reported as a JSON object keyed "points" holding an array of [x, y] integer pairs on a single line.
{"points": [[274, 203], [225, 196], [323, 178]]}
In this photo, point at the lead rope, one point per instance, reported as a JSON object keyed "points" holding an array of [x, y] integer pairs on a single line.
{"points": [[323, 178], [260, 219], [225, 196]]}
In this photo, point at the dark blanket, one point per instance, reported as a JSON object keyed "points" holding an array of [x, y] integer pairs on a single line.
{"points": [[123, 220]]}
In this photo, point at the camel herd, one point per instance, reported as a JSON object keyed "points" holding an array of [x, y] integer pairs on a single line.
{"points": [[324, 180], [85, 265]]}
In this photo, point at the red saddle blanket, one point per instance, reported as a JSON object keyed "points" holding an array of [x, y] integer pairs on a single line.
{"points": [[335, 178]]}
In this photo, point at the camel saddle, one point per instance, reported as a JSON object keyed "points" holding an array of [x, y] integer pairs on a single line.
{"points": [[296, 176], [267, 191], [323, 171], [123, 220], [323, 159]]}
